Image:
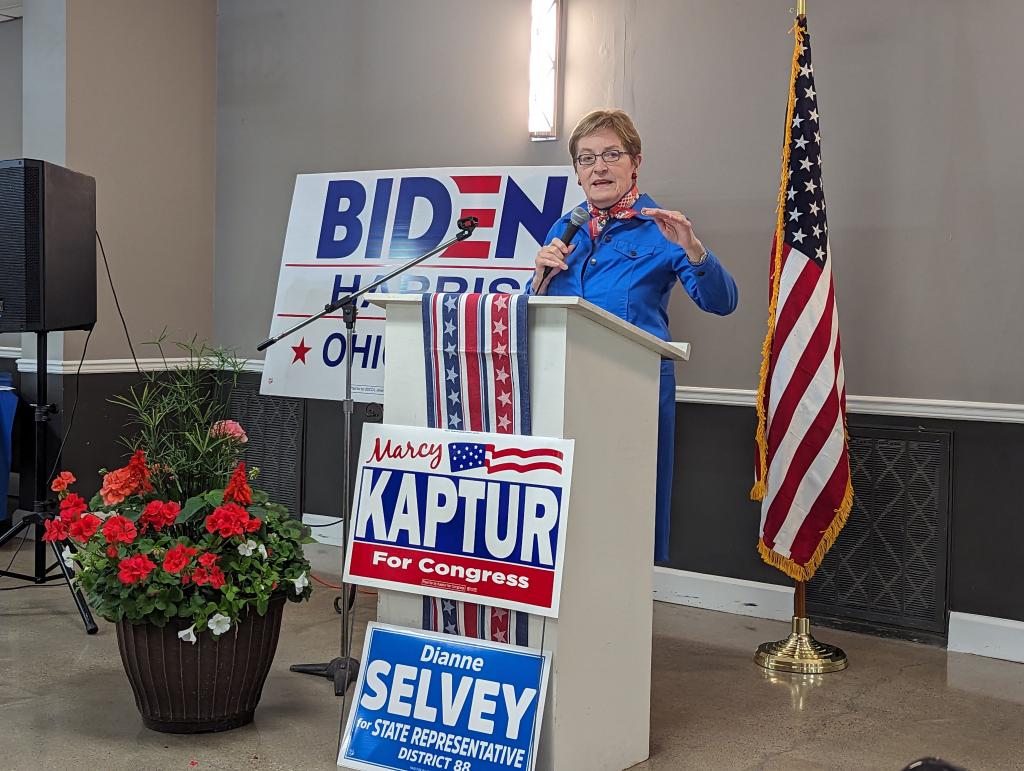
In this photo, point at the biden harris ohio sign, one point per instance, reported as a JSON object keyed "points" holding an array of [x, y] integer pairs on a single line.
{"points": [[464, 516], [431, 701], [346, 230]]}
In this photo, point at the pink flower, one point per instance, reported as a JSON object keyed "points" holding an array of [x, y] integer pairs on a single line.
{"points": [[229, 428]]}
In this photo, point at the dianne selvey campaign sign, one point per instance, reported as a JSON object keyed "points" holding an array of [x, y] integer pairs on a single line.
{"points": [[349, 229], [431, 701], [462, 515]]}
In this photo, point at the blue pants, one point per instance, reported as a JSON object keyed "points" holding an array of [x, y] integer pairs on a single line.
{"points": [[8, 405], [666, 459]]}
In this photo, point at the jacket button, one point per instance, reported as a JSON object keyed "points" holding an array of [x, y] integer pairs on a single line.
{"points": [[593, 261], [607, 239], [633, 253], [700, 272]]}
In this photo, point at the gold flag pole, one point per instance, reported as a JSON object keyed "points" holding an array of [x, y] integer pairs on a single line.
{"points": [[801, 7], [800, 653]]}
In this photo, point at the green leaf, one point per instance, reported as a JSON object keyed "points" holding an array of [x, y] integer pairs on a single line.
{"points": [[192, 506], [214, 498]]}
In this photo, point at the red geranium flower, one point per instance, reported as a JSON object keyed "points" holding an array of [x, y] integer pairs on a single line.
{"points": [[228, 520], [56, 530], [119, 529], [159, 515], [134, 569], [112, 552], [216, 578], [213, 576], [208, 560], [61, 483], [177, 558], [84, 528], [72, 507], [238, 490]]}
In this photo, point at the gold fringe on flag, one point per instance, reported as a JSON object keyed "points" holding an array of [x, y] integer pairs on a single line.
{"points": [[760, 487], [799, 572]]}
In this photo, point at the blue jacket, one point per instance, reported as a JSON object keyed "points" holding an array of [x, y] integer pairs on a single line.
{"points": [[630, 271]]}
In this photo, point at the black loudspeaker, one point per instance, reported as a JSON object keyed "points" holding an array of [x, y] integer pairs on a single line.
{"points": [[47, 247]]}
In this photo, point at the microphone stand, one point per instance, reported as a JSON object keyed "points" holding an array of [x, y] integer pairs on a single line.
{"points": [[344, 669]]}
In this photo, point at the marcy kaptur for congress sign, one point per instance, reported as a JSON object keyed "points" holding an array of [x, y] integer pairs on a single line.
{"points": [[348, 229], [461, 515], [431, 701]]}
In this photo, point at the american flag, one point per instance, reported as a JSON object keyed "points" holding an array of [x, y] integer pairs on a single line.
{"points": [[802, 472], [477, 380], [471, 455]]}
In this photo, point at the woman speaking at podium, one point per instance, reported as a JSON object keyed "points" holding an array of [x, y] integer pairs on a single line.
{"points": [[626, 258]]}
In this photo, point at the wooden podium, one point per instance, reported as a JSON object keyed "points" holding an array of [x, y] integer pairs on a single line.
{"points": [[593, 378]]}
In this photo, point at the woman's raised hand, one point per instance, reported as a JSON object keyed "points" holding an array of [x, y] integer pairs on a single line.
{"points": [[676, 228]]}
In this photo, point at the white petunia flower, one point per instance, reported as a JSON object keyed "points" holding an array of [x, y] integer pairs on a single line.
{"points": [[188, 635], [246, 549], [219, 623], [300, 583], [66, 557], [262, 550]]}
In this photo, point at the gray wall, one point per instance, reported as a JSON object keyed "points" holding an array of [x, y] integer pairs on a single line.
{"points": [[330, 86], [10, 89], [10, 111], [923, 175]]}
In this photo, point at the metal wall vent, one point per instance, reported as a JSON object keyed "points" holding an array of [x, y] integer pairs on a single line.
{"points": [[888, 565]]}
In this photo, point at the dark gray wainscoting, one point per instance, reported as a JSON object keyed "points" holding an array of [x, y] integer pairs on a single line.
{"points": [[715, 525]]}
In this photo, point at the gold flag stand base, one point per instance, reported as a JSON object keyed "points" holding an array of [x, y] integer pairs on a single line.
{"points": [[800, 653]]}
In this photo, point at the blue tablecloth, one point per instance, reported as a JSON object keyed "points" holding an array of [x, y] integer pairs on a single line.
{"points": [[8, 404]]}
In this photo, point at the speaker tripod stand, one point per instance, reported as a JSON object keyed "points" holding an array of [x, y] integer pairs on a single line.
{"points": [[42, 508]]}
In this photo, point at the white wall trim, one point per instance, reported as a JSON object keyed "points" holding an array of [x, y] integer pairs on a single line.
{"points": [[729, 595], [997, 638], [993, 412], [111, 366]]}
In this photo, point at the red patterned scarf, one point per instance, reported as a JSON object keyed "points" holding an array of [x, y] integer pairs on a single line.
{"points": [[620, 210]]}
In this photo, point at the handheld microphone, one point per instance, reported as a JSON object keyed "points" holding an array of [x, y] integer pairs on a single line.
{"points": [[577, 219]]}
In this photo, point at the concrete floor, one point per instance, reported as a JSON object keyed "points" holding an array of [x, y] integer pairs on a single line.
{"points": [[65, 702]]}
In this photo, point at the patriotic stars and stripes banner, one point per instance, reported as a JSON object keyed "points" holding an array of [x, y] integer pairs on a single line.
{"points": [[482, 343], [481, 622], [475, 348], [802, 471]]}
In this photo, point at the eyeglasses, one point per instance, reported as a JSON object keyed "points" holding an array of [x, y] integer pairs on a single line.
{"points": [[608, 156]]}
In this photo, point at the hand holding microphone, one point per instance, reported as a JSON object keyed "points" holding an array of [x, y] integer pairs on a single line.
{"points": [[551, 258]]}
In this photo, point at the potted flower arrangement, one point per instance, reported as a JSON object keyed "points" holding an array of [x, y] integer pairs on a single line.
{"points": [[177, 549]]}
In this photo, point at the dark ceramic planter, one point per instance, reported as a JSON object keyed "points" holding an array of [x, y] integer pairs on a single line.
{"points": [[213, 685]]}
